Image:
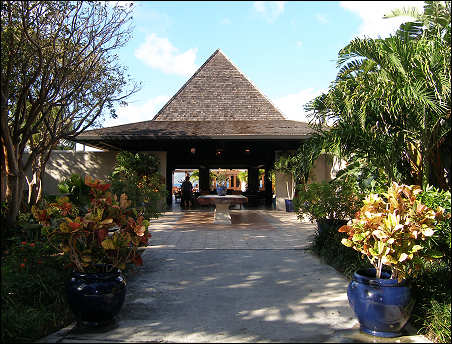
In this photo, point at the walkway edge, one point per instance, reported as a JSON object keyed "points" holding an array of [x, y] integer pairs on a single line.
{"points": [[59, 335]]}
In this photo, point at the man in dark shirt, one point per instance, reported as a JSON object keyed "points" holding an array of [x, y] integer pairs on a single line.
{"points": [[186, 189]]}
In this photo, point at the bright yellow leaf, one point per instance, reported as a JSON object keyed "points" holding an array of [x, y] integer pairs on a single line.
{"points": [[108, 244]]}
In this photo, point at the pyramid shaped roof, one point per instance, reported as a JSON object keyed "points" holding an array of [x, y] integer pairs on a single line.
{"points": [[217, 103], [218, 91]]}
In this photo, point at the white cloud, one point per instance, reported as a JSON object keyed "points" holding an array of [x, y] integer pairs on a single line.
{"points": [[299, 43], [225, 21], [321, 18], [292, 105], [137, 113], [160, 54], [271, 10], [372, 12]]}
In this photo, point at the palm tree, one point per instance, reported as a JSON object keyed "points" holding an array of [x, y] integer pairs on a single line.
{"points": [[390, 102], [433, 21]]}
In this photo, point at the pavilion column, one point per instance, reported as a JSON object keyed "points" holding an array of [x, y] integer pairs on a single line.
{"points": [[253, 182], [268, 187], [169, 186], [204, 183]]}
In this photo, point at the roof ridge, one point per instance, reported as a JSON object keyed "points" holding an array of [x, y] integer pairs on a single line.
{"points": [[251, 82], [186, 83]]}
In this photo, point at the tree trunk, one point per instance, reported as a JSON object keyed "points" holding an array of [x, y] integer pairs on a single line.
{"points": [[14, 195], [34, 188], [15, 179], [3, 175], [38, 170]]}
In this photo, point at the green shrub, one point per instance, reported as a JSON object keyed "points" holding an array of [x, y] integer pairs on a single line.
{"points": [[33, 301], [26, 229], [77, 191], [327, 245], [441, 240], [431, 289], [437, 321], [337, 199], [137, 175]]}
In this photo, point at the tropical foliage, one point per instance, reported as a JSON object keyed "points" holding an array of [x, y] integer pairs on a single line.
{"points": [[137, 175], [220, 177], [59, 76], [108, 233], [76, 190], [298, 165], [441, 240], [432, 21], [243, 176], [287, 164], [338, 199], [393, 229], [33, 300], [390, 102]]}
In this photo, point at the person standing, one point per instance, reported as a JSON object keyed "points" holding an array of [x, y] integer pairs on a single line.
{"points": [[186, 189]]}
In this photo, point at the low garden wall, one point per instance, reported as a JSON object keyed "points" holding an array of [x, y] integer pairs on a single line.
{"points": [[99, 165]]}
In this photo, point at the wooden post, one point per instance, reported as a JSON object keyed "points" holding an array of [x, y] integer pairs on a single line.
{"points": [[253, 182], [169, 186], [204, 184], [268, 187]]}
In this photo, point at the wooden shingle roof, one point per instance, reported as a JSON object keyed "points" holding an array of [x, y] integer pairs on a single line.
{"points": [[240, 129], [218, 91], [218, 102]]}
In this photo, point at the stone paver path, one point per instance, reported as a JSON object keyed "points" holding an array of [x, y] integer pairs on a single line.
{"points": [[251, 281], [250, 229]]}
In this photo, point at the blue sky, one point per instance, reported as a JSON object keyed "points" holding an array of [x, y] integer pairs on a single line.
{"points": [[287, 49]]}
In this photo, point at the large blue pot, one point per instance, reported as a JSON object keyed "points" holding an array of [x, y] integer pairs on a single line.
{"points": [[382, 305], [96, 298], [221, 190], [289, 205]]}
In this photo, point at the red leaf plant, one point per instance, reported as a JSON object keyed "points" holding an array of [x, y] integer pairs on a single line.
{"points": [[107, 234]]}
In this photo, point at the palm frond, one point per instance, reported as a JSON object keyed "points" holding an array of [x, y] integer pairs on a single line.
{"points": [[412, 12]]}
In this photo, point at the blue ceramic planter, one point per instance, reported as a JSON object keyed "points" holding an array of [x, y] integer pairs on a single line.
{"points": [[383, 306], [221, 190], [96, 298], [289, 205]]}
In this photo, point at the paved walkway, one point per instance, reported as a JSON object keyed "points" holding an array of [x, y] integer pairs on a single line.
{"points": [[250, 229], [252, 281]]}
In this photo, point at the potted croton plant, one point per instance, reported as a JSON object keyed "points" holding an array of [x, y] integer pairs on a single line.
{"points": [[99, 240], [392, 230]]}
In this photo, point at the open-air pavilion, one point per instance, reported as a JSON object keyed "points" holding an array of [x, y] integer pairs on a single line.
{"points": [[218, 119]]}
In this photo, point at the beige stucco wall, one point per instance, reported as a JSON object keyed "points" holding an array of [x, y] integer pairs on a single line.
{"points": [[322, 171], [96, 164], [64, 163]]}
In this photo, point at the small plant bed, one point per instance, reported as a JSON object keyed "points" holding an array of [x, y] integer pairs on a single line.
{"points": [[73, 233], [33, 302]]}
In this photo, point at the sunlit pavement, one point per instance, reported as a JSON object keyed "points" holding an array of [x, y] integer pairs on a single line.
{"points": [[252, 281]]}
